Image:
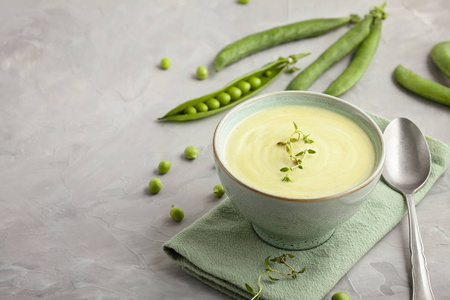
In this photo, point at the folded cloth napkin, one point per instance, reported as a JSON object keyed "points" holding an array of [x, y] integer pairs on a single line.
{"points": [[222, 250]]}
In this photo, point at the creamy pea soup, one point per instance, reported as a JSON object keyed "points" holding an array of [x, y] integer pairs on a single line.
{"points": [[344, 155]]}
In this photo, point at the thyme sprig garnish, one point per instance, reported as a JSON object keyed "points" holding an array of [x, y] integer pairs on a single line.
{"points": [[300, 156], [281, 260]]}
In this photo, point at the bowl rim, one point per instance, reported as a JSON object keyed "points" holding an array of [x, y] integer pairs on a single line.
{"points": [[375, 174]]}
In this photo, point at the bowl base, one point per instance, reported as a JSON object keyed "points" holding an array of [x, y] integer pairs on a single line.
{"points": [[290, 243]]}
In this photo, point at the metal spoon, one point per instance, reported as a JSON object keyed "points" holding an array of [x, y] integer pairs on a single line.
{"points": [[407, 167]]}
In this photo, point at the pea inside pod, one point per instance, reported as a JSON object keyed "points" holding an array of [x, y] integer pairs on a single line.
{"points": [[233, 93]]}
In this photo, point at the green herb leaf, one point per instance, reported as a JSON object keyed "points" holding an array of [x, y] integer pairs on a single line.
{"points": [[250, 289], [311, 151], [295, 125], [293, 140], [267, 261], [300, 153], [290, 255], [288, 149], [287, 179], [272, 278], [281, 143], [285, 169]]}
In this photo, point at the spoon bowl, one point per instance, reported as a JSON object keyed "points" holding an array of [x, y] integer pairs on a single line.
{"points": [[408, 159], [407, 168]]}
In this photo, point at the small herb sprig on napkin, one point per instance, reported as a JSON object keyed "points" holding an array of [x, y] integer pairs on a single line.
{"points": [[281, 260], [297, 158]]}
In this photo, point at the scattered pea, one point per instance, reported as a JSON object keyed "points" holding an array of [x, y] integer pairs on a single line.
{"points": [[234, 92], [224, 98], [202, 72], [218, 190], [244, 86], [176, 213], [201, 107], [340, 296], [164, 166], [165, 63], [190, 110], [268, 73], [191, 152], [213, 103], [155, 185], [244, 1], [255, 82]]}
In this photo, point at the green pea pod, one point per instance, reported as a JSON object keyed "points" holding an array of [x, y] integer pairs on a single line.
{"points": [[275, 36], [257, 79], [440, 53], [339, 49], [422, 86], [362, 57]]}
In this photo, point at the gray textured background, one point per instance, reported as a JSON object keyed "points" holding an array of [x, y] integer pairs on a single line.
{"points": [[80, 89]]}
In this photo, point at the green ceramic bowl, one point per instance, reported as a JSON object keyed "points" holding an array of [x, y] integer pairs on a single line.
{"points": [[295, 223]]}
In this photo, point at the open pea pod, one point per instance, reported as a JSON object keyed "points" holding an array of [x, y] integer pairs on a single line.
{"points": [[233, 93]]}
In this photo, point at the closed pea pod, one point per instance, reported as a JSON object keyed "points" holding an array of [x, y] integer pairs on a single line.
{"points": [[361, 59], [275, 36], [440, 53], [231, 94], [422, 86], [339, 49]]}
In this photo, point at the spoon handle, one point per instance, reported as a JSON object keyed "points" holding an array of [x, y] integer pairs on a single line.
{"points": [[421, 279]]}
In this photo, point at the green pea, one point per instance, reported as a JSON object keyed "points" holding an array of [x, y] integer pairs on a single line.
{"points": [[164, 166], [234, 92], [244, 1], [224, 98], [176, 213], [202, 72], [165, 63], [268, 73], [190, 110], [255, 82], [201, 107], [191, 152], [340, 296], [244, 86], [218, 190], [213, 103], [155, 185]]}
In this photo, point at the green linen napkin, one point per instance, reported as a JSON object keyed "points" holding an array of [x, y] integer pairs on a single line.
{"points": [[222, 250]]}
